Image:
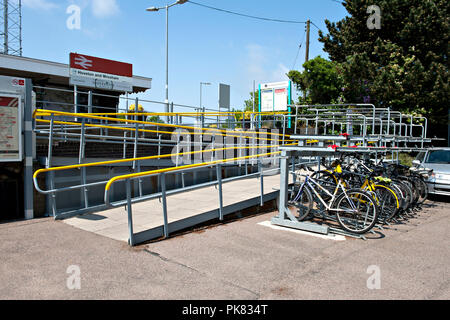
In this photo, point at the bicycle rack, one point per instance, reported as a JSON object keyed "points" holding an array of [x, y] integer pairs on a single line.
{"points": [[285, 217]]}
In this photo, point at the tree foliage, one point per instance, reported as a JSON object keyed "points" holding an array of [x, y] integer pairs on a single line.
{"points": [[155, 119], [321, 79], [404, 64]]}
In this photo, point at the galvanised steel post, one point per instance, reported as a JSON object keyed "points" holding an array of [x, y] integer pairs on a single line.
{"points": [[90, 103], [136, 134], [159, 143], [28, 148], [130, 214], [178, 148], [284, 180], [389, 118], [84, 190], [167, 51], [219, 183], [164, 204], [261, 181], [240, 151], [49, 164], [124, 144], [167, 63], [75, 100]]}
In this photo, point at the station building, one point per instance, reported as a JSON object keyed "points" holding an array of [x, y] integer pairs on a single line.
{"points": [[50, 88]]}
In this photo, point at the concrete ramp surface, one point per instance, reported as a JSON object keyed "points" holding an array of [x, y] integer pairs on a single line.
{"points": [[184, 210]]}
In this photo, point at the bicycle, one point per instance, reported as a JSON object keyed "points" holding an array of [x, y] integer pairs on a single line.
{"points": [[355, 210]]}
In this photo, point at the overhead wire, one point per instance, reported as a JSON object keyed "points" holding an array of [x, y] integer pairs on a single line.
{"points": [[246, 15], [298, 51]]}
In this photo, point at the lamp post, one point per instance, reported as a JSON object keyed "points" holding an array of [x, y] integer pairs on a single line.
{"points": [[201, 108], [153, 9]]}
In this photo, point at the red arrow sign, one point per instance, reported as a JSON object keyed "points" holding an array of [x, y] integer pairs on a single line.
{"points": [[84, 62]]}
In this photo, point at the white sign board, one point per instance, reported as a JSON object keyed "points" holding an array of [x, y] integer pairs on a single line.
{"points": [[10, 128], [100, 80], [266, 100], [274, 96], [280, 99]]}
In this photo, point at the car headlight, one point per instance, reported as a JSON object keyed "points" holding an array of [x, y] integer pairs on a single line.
{"points": [[432, 177]]}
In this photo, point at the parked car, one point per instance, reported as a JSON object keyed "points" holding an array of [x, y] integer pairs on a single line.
{"points": [[437, 159]]}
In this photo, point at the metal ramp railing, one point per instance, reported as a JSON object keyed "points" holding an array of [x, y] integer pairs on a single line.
{"points": [[373, 130]]}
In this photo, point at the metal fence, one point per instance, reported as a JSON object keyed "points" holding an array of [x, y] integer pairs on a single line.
{"points": [[346, 126]]}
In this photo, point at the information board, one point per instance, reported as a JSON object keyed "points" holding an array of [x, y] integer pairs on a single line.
{"points": [[10, 128], [274, 96]]}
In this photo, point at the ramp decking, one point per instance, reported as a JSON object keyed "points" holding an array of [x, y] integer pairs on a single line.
{"points": [[184, 210]]}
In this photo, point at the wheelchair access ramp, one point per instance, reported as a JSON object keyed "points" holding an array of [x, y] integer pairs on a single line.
{"points": [[184, 210]]}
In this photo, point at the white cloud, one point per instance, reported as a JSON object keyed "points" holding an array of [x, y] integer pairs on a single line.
{"points": [[260, 64], [256, 59], [279, 74], [104, 8], [39, 4]]}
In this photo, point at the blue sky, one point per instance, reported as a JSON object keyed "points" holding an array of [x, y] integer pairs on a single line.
{"points": [[204, 45]]}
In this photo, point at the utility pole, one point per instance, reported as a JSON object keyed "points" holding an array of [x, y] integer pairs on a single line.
{"points": [[308, 22], [252, 124]]}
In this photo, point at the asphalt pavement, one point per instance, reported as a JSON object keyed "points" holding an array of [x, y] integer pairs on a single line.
{"points": [[242, 259]]}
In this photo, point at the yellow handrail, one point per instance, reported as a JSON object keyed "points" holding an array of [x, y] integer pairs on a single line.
{"points": [[189, 166], [155, 131], [92, 164], [42, 112], [216, 114]]}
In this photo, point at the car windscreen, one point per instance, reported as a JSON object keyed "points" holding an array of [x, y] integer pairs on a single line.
{"points": [[420, 156], [438, 156]]}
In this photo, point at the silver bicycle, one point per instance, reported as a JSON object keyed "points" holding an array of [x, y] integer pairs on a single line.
{"points": [[355, 210]]}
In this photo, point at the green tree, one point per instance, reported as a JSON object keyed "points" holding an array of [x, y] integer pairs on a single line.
{"points": [[248, 104], [320, 79], [404, 64], [155, 119]]}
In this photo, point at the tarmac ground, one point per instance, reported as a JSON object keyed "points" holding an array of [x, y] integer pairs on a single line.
{"points": [[245, 259]]}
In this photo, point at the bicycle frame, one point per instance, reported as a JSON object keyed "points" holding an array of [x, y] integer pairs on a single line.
{"points": [[328, 207]]}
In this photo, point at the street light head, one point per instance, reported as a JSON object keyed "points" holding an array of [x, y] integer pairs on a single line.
{"points": [[152, 9], [182, 1]]}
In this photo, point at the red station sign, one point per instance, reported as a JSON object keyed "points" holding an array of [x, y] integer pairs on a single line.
{"points": [[88, 63]]}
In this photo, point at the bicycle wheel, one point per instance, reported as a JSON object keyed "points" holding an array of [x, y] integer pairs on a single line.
{"points": [[356, 211], [422, 187], [414, 192], [401, 196], [407, 192], [300, 202], [388, 202]]}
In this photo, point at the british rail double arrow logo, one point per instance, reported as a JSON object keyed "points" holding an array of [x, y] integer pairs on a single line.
{"points": [[83, 62]]}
